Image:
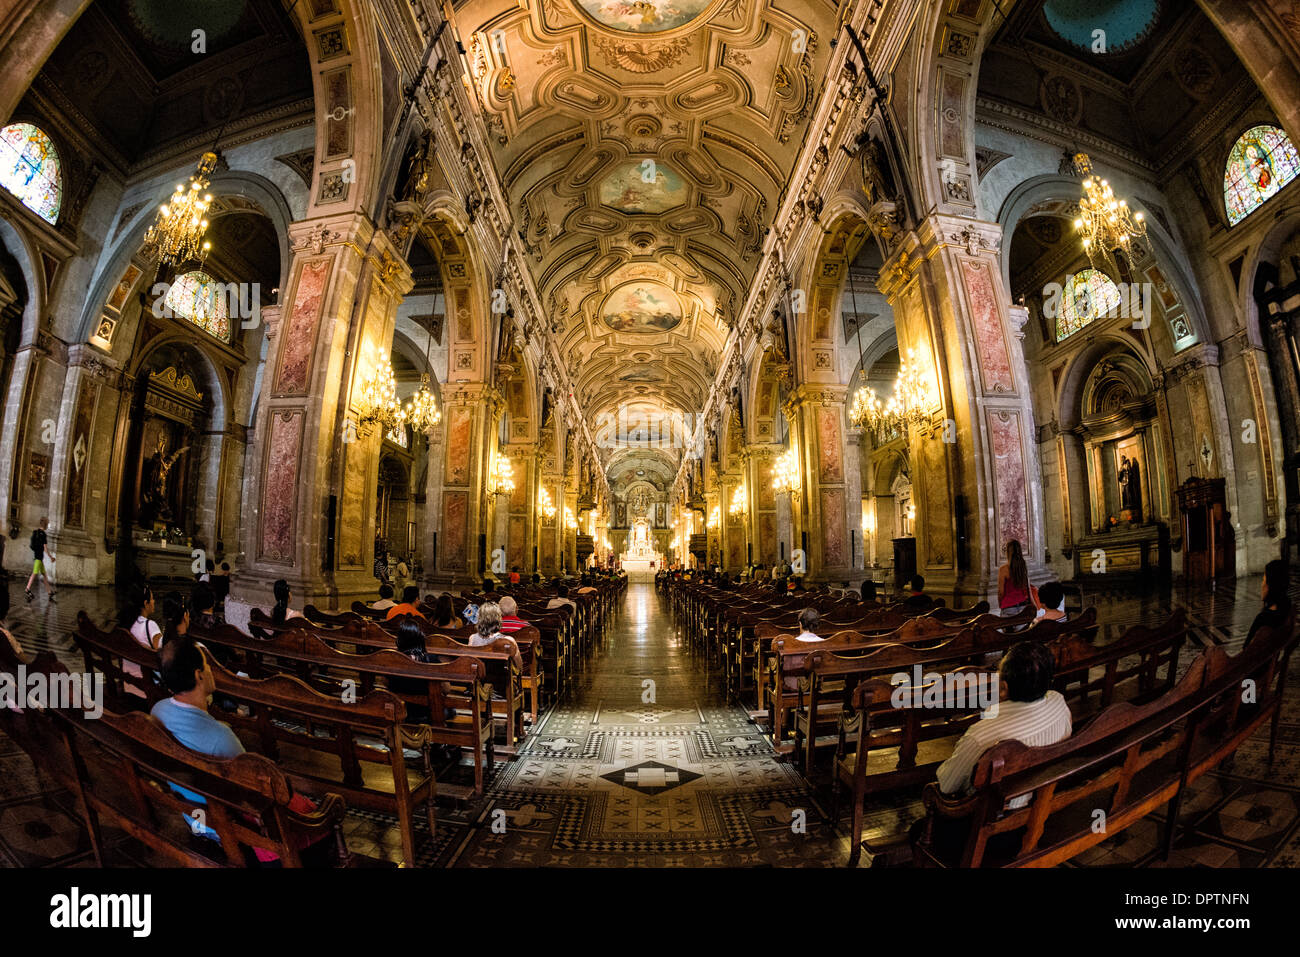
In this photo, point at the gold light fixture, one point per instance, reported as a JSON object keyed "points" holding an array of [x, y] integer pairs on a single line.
{"points": [[906, 408], [177, 234], [422, 409], [503, 479], [785, 472], [1104, 222], [544, 503], [715, 518], [379, 397], [738, 499], [569, 520]]}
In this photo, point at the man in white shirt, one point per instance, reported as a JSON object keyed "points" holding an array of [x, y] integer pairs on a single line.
{"points": [[562, 598], [809, 619], [385, 599], [1031, 713]]}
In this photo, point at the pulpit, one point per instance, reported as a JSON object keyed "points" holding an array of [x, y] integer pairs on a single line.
{"points": [[1208, 540]]}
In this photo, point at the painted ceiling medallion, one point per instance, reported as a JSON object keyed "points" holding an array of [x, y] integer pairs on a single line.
{"points": [[642, 56], [647, 307], [643, 16], [643, 186]]}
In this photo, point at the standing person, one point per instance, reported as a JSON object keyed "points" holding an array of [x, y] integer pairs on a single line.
{"points": [[39, 553], [381, 560], [1013, 581]]}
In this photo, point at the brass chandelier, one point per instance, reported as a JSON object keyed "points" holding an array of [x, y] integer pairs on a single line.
{"points": [[379, 398], [177, 234], [738, 501], [544, 503], [785, 472], [503, 479], [1104, 222], [906, 408]]}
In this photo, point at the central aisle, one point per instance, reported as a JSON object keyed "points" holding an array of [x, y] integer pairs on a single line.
{"points": [[644, 766]]}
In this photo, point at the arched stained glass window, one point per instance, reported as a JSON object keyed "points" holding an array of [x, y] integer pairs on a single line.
{"points": [[1263, 161], [1087, 296], [198, 297], [29, 168]]}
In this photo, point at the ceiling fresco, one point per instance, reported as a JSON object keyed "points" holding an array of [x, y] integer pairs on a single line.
{"points": [[644, 146]]}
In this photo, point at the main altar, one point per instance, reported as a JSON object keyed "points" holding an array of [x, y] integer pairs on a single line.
{"points": [[640, 561]]}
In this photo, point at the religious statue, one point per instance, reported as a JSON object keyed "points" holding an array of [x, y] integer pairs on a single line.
{"points": [[1130, 489], [874, 177], [418, 168], [154, 489]]}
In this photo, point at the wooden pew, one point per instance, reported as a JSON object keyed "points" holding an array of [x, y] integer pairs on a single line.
{"points": [[458, 684], [324, 744], [120, 768], [1128, 761]]}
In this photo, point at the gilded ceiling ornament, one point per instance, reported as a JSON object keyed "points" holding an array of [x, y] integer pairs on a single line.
{"points": [[642, 56]]}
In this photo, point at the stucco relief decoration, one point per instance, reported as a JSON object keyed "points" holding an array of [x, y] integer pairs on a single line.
{"points": [[995, 361], [642, 56], [1008, 476], [279, 497], [300, 335]]}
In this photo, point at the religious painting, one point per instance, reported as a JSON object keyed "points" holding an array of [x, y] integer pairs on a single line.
{"points": [[828, 429], [455, 525], [643, 307], [642, 373], [995, 361], [833, 554], [1130, 475], [459, 430], [123, 288], [300, 329], [643, 16], [38, 470], [355, 465], [1008, 476], [643, 186], [280, 494]]}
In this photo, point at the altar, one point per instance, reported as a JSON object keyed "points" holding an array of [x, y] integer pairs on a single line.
{"points": [[640, 561]]}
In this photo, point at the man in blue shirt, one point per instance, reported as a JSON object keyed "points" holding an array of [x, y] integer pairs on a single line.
{"points": [[185, 714]]}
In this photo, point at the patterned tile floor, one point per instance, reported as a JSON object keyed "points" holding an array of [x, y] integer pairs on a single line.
{"points": [[646, 765]]}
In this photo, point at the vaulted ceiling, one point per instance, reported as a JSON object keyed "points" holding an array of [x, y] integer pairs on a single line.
{"points": [[644, 145]]}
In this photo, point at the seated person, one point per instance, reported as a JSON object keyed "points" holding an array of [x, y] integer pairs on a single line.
{"points": [[282, 612], [185, 715], [510, 620], [514, 575], [489, 629], [221, 583], [1030, 712], [203, 606], [444, 614], [868, 590], [1050, 600], [409, 606], [561, 598], [385, 601], [176, 617], [809, 619], [1277, 603], [916, 596]]}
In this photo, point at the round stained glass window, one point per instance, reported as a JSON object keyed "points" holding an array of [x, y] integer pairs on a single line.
{"points": [[29, 168]]}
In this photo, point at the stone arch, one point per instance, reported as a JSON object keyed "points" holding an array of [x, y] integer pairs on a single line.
{"points": [[1183, 295], [19, 245], [818, 335], [466, 292]]}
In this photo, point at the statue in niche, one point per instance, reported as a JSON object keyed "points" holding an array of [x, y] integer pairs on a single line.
{"points": [[154, 489], [1130, 489], [875, 173], [418, 168]]}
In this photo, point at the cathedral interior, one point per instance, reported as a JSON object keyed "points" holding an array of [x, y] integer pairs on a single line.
{"points": [[869, 288]]}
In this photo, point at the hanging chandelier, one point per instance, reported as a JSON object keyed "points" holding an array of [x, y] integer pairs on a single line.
{"points": [[379, 397], [1104, 222], [785, 472], [544, 503], [738, 500], [907, 408], [569, 520], [503, 479], [177, 234], [715, 518], [422, 410]]}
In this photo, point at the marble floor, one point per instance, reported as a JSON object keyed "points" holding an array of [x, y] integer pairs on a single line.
{"points": [[646, 765]]}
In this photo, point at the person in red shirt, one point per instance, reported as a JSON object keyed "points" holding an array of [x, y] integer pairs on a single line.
{"points": [[510, 620], [410, 601], [514, 575]]}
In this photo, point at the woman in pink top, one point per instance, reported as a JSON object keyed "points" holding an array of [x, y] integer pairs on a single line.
{"points": [[1013, 581]]}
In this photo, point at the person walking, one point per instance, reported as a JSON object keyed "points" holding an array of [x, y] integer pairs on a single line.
{"points": [[40, 554]]}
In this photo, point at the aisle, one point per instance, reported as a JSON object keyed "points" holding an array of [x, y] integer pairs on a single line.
{"points": [[644, 767]]}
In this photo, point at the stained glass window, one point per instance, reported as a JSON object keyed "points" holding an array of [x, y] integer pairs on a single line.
{"points": [[1088, 295], [198, 297], [1261, 163], [29, 168]]}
